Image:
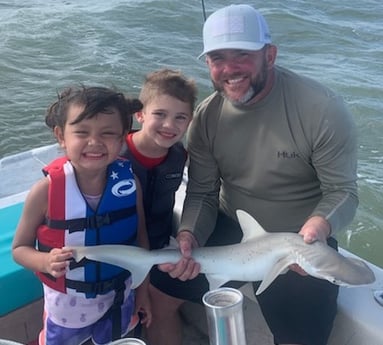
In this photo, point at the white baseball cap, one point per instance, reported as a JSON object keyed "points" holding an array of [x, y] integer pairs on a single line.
{"points": [[235, 27]]}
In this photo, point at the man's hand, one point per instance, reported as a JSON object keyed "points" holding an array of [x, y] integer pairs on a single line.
{"points": [[315, 229], [186, 268]]}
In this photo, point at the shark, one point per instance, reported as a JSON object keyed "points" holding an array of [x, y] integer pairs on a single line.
{"points": [[260, 256]]}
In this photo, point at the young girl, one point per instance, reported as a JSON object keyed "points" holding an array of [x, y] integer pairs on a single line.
{"points": [[88, 197]]}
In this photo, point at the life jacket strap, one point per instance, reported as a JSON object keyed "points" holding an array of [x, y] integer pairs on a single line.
{"points": [[91, 222], [115, 310], [73, 264], [100, 287]]}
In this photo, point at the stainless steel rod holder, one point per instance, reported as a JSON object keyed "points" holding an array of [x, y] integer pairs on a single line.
{"points": [[224, 313]]}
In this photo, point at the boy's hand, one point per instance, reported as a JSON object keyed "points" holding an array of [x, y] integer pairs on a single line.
{"points": [[143, 306], [186, 268]]}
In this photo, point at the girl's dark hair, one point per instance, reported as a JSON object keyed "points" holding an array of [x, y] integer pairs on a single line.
{"points": [[95, 100]]}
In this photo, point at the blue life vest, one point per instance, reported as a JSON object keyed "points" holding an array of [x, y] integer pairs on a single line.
{"points": [[71, 221]]}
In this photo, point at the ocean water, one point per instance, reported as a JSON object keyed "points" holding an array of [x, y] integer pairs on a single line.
{"points": [[46, 45]]}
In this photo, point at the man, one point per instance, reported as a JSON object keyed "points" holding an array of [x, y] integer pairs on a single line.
{"points": [[281, 147]]}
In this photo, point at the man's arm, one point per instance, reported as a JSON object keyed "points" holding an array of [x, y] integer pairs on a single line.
{"points": [[335, 161]]}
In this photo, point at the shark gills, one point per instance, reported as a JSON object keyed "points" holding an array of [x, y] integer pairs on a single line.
{"points": [[261, 256]]}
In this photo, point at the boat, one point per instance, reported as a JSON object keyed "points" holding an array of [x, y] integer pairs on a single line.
{"points": [[360, 309]]}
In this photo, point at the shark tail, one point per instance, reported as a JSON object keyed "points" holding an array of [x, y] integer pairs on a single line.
{"points": [[139, 274], [110, 254], [78, 253], [138, 261]]}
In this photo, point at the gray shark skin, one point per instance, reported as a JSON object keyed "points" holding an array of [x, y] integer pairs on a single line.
{"points": [[261, 256]]}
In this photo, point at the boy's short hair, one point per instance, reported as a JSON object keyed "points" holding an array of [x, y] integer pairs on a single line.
{"points": [[168, 82]]}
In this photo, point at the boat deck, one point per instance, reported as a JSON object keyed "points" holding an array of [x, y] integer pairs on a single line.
{"points": [[23, 325]]}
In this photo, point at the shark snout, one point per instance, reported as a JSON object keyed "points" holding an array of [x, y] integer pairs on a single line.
{"points": [[350, 272], [357, 272]]}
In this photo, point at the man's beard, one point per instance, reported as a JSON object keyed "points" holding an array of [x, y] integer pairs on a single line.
{"points": [[256, 87]]}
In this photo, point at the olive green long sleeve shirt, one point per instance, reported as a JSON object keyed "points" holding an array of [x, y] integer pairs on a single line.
{"points": [[288, 157]]}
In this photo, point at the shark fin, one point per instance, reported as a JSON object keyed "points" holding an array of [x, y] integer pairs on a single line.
{"points": [[280, 267], [216, 280], [250, 227], [138, 276]]}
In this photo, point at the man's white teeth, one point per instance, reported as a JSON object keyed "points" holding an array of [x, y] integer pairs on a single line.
{"points": [[235, 81]]}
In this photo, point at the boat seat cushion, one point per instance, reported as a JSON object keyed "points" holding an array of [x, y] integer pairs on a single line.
{"points": [[18, 286]]}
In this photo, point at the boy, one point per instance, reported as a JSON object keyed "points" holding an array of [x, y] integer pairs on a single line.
{"points": [[156, 152]]}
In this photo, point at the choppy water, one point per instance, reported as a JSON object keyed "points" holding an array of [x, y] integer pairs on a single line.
{"points": [[48, 44]]}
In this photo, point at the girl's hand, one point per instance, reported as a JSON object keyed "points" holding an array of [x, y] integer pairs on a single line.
{"points": [[57, 262]]}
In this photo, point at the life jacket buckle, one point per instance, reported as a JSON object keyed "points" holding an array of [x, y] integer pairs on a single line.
{"points": [[98, 221], [101, 288]]}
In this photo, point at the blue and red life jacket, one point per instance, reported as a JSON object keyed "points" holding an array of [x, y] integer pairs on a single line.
{"points": [[71, 221]]}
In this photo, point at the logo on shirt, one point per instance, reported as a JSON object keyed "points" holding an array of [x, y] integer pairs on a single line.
{"points": [[287, 155], [171, 176], [124, 188]]}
